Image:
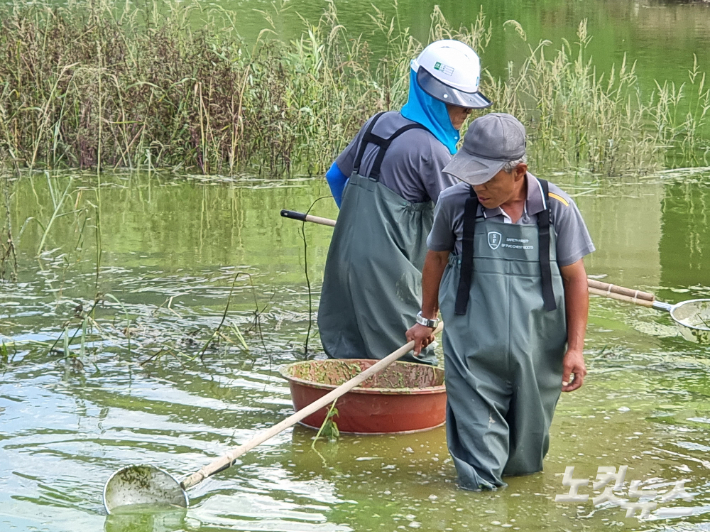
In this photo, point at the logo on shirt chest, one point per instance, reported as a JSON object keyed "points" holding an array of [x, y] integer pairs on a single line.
{"points": [[494, 239]]}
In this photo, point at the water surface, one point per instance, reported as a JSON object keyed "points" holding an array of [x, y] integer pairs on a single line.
{"points": [[171, 249]]}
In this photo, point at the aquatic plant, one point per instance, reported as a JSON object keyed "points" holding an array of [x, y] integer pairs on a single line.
{"points": [[118, 85], [217, 334], [66, 223], [302, 232], [8, 255], [328, 429], [85, 331]]}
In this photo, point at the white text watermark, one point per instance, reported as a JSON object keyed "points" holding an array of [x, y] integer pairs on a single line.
{"points": [[609, 480]]}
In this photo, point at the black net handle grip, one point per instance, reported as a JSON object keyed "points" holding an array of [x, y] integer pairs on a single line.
{"points": [[303, 217]]}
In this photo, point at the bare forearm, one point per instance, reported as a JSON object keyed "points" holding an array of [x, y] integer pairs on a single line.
{"points": [[576, 303], [434, 266]]}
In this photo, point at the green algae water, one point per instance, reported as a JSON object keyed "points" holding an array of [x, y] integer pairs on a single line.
{"points": [[85, 392]]}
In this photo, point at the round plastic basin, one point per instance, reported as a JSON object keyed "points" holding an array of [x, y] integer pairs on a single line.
{"points": [[405, 397]]}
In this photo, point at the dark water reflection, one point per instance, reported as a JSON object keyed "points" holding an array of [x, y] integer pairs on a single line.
{"points": [[684, 254], [170, 252]]}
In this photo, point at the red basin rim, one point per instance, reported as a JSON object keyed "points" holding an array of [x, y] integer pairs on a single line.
{"points": [[381, 391]]}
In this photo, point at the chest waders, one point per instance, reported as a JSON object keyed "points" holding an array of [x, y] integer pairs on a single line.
{"points": [[372, 281], [503, 304]]}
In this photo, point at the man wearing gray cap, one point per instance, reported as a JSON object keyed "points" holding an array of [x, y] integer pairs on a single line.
{"points": [[505, 263]]}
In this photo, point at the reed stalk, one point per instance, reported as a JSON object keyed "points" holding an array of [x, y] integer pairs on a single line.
{"points": [[8, 255], [57, 202]]}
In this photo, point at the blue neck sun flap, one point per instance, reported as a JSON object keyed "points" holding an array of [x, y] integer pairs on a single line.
{"points": [[431, 113]]}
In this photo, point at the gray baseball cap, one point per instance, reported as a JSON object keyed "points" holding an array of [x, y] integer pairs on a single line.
{"points": [[491, 141]]}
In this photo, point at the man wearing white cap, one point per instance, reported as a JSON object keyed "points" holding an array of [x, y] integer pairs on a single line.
{"points": [[505, 265], [393, 171]]}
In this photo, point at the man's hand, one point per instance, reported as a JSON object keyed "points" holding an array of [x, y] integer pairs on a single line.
{"points": [[573, 364], [422, 337]]}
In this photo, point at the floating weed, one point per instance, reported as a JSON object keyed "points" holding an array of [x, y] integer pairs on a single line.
{"points": [[330, 427], [84, 328]]}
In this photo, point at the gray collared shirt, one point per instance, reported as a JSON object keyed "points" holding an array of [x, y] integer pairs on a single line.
{"points": [[414, 162], [573, 240]]}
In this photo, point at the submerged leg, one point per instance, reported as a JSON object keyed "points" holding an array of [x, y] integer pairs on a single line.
{"points": [[476, 426]]}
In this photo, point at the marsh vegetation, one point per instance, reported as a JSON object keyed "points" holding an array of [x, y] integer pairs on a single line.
{"points": [[116, 85]]}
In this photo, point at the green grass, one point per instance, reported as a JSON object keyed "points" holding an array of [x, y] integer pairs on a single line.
{"points": [[112, 85]]}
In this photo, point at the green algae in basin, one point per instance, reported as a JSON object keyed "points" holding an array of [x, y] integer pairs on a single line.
{"points": [[400, 377], [405, 397]]}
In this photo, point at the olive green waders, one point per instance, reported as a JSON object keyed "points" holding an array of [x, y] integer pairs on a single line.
{"points": [[372, 281], [503, 350]]}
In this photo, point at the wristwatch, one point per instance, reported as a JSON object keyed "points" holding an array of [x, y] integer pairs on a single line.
{"points": [[421, 320]]}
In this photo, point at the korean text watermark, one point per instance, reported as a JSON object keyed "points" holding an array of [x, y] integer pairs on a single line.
{"points": [[609, 480]]}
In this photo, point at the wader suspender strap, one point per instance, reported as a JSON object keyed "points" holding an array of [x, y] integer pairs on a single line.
{"points": [[369, 137], [363, 143], [543, 231], [469, 225]]}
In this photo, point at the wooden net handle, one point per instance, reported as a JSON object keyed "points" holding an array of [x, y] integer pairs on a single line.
{"points": [[614, 289]]}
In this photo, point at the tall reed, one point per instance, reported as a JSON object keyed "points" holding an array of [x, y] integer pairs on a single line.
{"points": [[116, 85], [99, 86]]}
